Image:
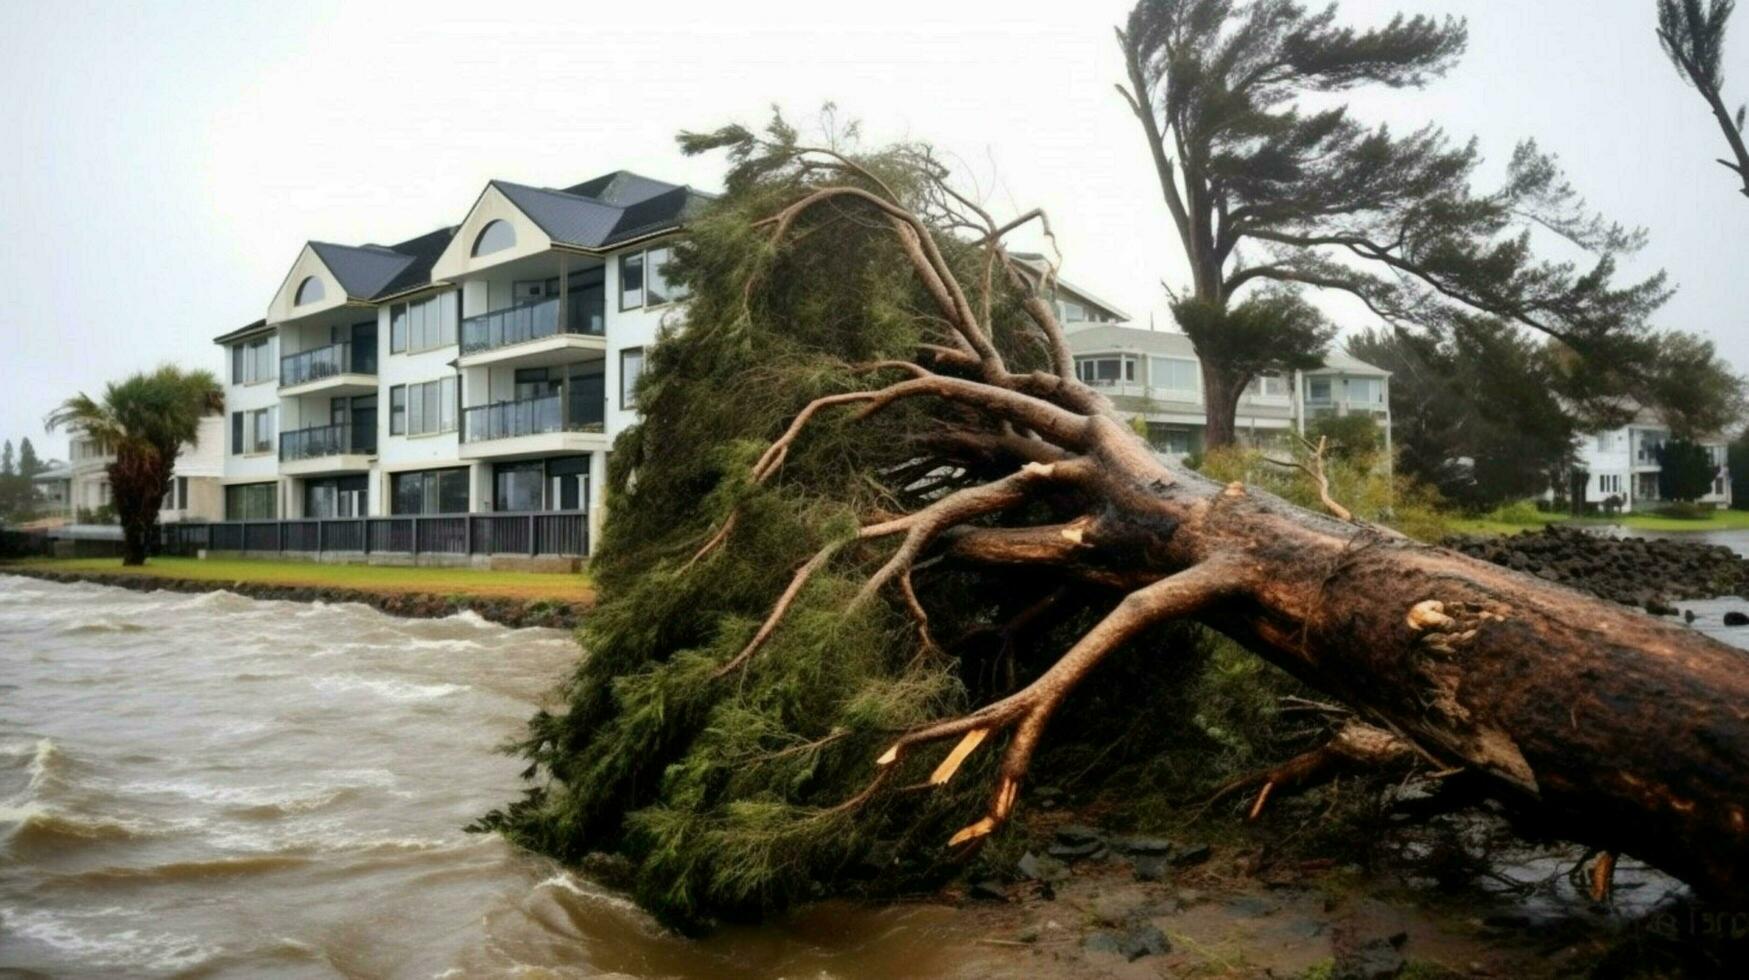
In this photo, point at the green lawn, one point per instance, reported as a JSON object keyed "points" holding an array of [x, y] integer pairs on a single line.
{"points": [[373, 578], [1718, 520]]}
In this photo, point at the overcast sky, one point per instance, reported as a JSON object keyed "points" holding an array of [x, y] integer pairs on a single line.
{"points": [[164, 162]]}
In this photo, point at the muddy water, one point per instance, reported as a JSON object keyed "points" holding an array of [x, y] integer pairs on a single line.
{"points": [[217, 786]]}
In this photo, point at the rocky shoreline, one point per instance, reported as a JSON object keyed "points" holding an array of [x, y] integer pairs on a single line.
{"points": [[514, 613], [1648, 573]]}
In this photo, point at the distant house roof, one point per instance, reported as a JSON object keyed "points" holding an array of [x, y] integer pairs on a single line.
{"points": [[1116, 337], [1038, 263], [56, 470]]}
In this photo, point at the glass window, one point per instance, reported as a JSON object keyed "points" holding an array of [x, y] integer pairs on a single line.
{"points": [[236, 433], [429, 492], [1106, 370], [657, 288], [309, 291], [236, 364], [631, 281], [631, 368], [424, 408], [517, 486], [1174, 374], [397, 328], [1366, 391], [1318, 389], [251, 502], [495, 237]]}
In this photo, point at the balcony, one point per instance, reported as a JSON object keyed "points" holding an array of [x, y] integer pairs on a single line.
{"points": [[558, 422], [340, 368], [534, 328], [327, 449]]}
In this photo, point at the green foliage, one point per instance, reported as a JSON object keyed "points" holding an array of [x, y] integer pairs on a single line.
{"points": [[144, 419], [1476, 410], [1348, 437], [1362, 482], [1272, 185], [725, 792], [1685, 470]]}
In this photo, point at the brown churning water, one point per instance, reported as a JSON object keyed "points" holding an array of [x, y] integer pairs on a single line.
{"points": [[217, 786]]}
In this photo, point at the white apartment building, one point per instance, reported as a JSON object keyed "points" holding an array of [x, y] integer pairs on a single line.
{"points": [[482, 368], [195, 492], [1155, 374], [1623, 464]]}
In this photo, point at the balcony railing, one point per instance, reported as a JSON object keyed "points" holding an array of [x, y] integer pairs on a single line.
{"points": [[558, 412], [325, 362], [562, 533], [531, 321], [327, 440]]}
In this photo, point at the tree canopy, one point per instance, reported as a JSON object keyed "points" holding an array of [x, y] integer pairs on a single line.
{"points": [[1692, 33], [144, 420], [1271, 185]]}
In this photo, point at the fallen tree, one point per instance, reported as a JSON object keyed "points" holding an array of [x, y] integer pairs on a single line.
{"points": [[873, 532]]}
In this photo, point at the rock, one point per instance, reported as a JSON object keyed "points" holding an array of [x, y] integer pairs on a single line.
{"points": [[989, 891], [1736, 618], [1103, 942], [1142, 845], [1075, 852], [1075, 833], [1688, 615], [1373, 959], [1190, 854], [1251, 906], [1139, 940], [1037, 868], [1658, 607], [1151, 867]]}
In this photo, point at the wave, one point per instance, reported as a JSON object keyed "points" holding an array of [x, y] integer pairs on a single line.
{"points": [[393, 690], [128, 949], [37, 823], [105, 625], [193, 870]]}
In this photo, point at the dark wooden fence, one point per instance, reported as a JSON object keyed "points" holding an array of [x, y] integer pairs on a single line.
{"points": [[563, 533]]}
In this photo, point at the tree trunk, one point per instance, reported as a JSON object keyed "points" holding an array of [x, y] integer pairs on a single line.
{"points": [[1220, 399], [1599, 723], [138, 479]]}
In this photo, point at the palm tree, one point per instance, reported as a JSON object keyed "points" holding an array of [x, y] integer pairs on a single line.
{"points": [[144, 420]]}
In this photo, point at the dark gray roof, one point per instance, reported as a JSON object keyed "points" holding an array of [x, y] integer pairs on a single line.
{"points": [[259, 326], [598, 213], [622, 188], [363, 270], [605, 211]]}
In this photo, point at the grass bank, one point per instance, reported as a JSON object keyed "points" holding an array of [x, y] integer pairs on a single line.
{"points": [[1511, 520], [380, 579]]}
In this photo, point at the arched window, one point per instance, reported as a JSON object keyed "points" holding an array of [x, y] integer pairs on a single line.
{"points": [[309, 291], [495, 237]]}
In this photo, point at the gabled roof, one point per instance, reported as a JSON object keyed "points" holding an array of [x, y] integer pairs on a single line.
{"points": [[1038, 263], [362, 270], [605, 211]]}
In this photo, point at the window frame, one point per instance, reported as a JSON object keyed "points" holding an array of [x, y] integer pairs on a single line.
{"points": [[299, 298], [628, 395], [625, 260], [477, 250]]}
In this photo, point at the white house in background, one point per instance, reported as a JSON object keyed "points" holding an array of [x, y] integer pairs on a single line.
{"points": [[1155, 374], [195, 492], [482, 368], [1623, 463], [53, 487]]}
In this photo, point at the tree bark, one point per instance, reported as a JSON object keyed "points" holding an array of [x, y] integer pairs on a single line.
{"points": [[1220, 400], [138, 480], [1597, 722]]}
